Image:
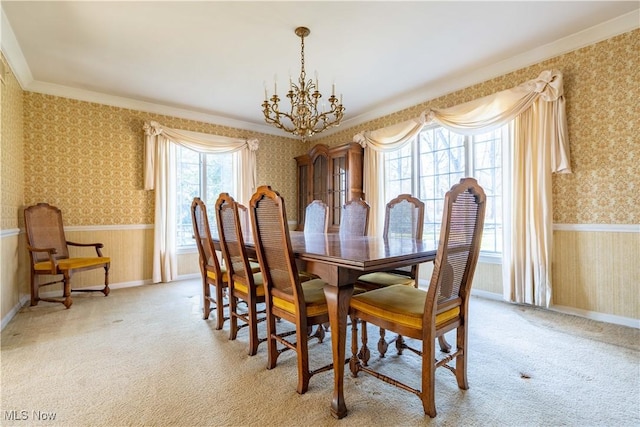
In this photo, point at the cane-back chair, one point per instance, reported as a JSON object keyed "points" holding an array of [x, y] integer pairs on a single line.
{"points": [[214, 274], [287, 298], [427, 315], [316, 217], [355, 218], [49, 254], [245, 281], [404, 217]]}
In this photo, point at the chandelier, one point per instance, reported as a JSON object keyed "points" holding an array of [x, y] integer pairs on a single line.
{"points": [[305, 117]]}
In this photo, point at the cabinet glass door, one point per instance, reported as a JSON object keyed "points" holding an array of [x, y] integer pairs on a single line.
{"points": [[303, 191], [338, 188], [320, 179]]}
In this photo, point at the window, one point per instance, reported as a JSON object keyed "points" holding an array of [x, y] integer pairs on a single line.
{"points": [[205, 176], [437, 159]]}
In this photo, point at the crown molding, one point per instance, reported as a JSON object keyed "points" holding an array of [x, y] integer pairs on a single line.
{"points": [[149, 107], [603, 31], [13, 53]]}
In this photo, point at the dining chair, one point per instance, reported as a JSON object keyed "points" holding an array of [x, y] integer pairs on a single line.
{"points": [[49, 254], [316, 217], [214, 275], [404, 217], [244, 280], [425, 315], [354, 220], [300, 303]]}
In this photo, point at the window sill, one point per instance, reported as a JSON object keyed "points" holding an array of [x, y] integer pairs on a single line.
{"points": [[490, 258]]}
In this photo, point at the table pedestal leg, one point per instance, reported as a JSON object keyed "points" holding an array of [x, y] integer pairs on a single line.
{"points": [[338, 304]]}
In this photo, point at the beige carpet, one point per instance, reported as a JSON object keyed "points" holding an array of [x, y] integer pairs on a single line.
{"points": [[144, 357]]}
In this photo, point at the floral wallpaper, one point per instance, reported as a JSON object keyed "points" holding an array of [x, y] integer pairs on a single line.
{"points": [[87, 159], [602, 90], [11, 172]]}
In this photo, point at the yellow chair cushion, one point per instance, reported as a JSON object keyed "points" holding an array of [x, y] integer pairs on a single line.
{"points": [[400, 304], [386, 279], [257, 280], [255, 268], [223, 270], [72, 263], [313, 296]]}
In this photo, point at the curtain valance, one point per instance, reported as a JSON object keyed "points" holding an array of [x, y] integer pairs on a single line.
{"points": [[200, 142], [482, 115]]}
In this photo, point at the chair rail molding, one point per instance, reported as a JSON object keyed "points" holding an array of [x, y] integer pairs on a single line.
{"points": [[607, 228]]}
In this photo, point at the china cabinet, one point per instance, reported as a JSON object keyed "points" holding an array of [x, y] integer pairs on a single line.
{"points": [[330, 174]]}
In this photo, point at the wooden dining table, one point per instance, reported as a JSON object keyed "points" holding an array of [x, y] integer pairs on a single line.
{"points": [[340, 261]]}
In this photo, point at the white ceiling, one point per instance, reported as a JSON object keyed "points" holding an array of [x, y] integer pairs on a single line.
{"points": [[210, 59]]}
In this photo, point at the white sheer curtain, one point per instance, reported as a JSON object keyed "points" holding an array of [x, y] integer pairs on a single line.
{"points": [[160, 175], [536, 109]]}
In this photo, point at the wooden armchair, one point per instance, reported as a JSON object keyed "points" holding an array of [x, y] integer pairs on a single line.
{"points": [[355, 218], [316, 217], [287, 297], [427, 315], [49, 254]]}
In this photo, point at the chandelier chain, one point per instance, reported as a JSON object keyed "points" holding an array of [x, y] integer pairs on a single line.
{"points": [[303, 75]]}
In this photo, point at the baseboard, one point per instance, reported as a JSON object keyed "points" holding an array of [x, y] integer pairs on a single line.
{"points": [[24, 299], [593, 315], [487, 295], [188, 276]]}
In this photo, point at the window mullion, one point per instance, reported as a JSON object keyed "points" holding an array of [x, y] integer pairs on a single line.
{"points": [[203, 177], [415, 161], [468, 152]]}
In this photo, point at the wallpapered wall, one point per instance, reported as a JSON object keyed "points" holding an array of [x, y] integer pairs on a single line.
{"points": [[602, 90], [12, 151], [87, 159]]}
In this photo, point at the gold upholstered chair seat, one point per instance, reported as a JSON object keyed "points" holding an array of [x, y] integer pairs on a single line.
{"points": [[255, 268], [401, 305], [72, 263], [314, 299], [257, 281], [381, 278]]}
